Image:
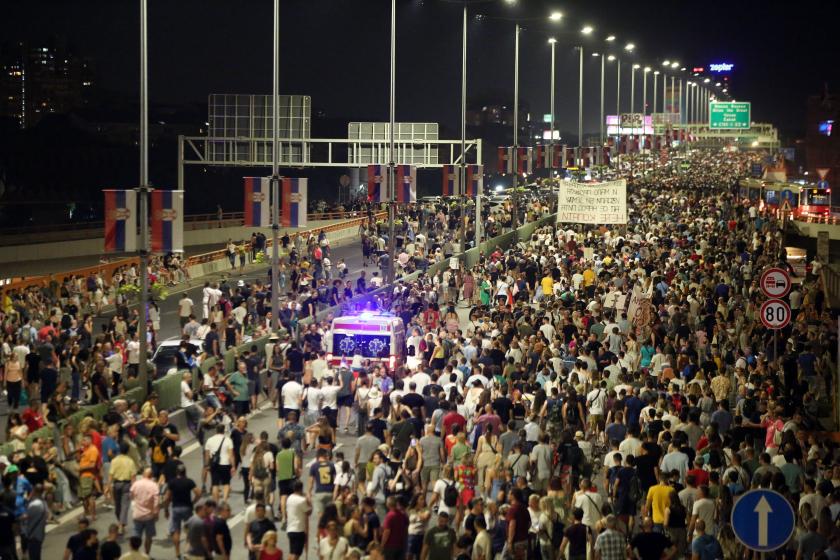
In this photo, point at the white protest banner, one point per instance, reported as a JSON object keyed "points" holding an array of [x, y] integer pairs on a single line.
{"points": [[593, 203]]}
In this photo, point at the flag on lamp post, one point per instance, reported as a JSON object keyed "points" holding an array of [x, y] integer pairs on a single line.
{"points": [[406, 178], [525, 160], [474, 184], [377, 183], [167, 222], [120, 221], [505, 160], [293, 196], [451, 180], [257, 207]]}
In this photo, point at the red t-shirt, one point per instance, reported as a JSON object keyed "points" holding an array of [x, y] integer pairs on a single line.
{"points": [[452, 419], [32, 419], [397, 522], [701, 476], [519, 513]]}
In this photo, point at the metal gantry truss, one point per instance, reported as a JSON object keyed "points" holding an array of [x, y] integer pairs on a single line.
{"points": [[318, 152]]}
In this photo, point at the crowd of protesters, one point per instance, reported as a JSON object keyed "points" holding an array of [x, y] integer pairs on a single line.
{"points": [[591, 392]]}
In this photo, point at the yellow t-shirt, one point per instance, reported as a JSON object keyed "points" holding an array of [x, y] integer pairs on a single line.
{"points": [[659, 497], [588, 277], [547, 285], [122, 468]]}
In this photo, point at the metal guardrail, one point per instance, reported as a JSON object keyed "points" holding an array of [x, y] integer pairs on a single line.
{"points": [[107, 269]]}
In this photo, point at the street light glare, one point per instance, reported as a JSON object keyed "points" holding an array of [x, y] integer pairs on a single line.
{"points": [[595, 54], [666, 63], [675, 65], [647, 69], [611, 38], [587, 29], [706, 81], [636, 66], [717, 84], [552, 40], [656, 72], [510, 1], [611, 57], [555, 16], [629, 47]]}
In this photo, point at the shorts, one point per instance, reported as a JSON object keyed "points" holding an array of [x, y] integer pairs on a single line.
{"points": [[284, 412], [253, 388], [85, 487], [241, 408], [467, 494], [346, 400], [361, 472], [415, 544], [428, 474], [296, 543], [145, 527], [286, 486], [178, 515], [220, 475], [332, 416], [595, 420], [261, 485]]}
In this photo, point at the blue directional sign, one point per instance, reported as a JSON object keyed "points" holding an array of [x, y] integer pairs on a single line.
{"points": [[823, 184], [763, 520]]}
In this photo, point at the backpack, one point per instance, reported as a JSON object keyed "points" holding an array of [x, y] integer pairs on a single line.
{"points": [[158, 456], [450, 495], [258, 468], [634, 493], [572, 416], [749, 409], [556, 533]]}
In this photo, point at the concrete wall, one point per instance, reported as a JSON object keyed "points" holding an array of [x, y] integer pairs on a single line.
{"points": [[90, 247]]}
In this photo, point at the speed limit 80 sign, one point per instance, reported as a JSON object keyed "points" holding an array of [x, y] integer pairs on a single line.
{"points": [[775, 314]]}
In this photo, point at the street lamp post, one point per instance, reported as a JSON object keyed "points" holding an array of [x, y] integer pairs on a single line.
{"points": [[515, 217], [392, 243], [463, 181], [602, 103], [144, 199], [553, 43], [580, 103], [655, 86], [275, 176], [633, 88]]}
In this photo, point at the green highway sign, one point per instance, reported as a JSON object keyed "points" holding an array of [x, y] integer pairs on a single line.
{"points": [[729, 115]]}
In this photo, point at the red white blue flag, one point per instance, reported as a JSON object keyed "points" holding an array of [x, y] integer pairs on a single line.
{"points": [[505, 160], [475, 180], [167, 221], [606, 154], [570, 158], [451, 180], [257, 208], [586, 156], [525, 161], [294, 201], [120, 221], [378, 183], [406, 177]]}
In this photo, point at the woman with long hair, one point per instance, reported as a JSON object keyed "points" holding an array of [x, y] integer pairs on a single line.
{"points": [[675, 524], [488, 456], [418, 520], [246, 453]]}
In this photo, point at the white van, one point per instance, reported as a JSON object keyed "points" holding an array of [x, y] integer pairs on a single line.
{"points": [[375, 336]]}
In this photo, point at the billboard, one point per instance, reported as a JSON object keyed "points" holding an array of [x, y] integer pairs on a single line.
{"points": [[409, 137], [592, 203], [729, 115], [615, 129]]}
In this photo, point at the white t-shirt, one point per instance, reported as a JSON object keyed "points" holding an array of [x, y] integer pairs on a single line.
{"points": [[595, 400], [439, 489], [186, 390], [185, 307], [330, 396], [291, 393], [212, 446], [590, 503], [133, 349], [296, 513], [326, 550], [705, 509], [313, 399]]}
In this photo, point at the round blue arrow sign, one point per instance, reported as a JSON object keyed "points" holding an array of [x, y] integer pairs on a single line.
{"points": [[763, 520]]}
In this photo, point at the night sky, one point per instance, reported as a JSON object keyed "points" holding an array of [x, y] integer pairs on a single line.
{"points": [[337, 51]]}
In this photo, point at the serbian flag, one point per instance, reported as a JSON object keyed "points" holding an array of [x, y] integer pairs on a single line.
{"points": [[451, 180], [406, 177], [525, 161], [570, 157], [378, 183], [475, 180], [586, 156], [257, 208], [293, 198], [167, 221], [505, 160], [120, 221], [606, 153]]}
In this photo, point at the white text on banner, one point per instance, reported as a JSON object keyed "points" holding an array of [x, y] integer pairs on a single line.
{"points": [[593, 203]]}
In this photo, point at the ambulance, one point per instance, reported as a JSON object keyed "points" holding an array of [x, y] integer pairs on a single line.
{"points": [[376, 337]]}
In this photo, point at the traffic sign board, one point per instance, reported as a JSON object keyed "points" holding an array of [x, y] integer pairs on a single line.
{"points": [[728, 115], [775, 314], [823, 184], [763, 520], [775, 283]]}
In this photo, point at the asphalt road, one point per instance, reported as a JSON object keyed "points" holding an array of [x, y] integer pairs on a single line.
{"points": [[266, 419]]}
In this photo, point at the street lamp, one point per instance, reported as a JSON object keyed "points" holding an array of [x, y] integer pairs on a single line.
{"points": [[553, 42], [587, 29], [655, 83], [555, 16], [610, 39], [633, 87], [629, 47]]}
